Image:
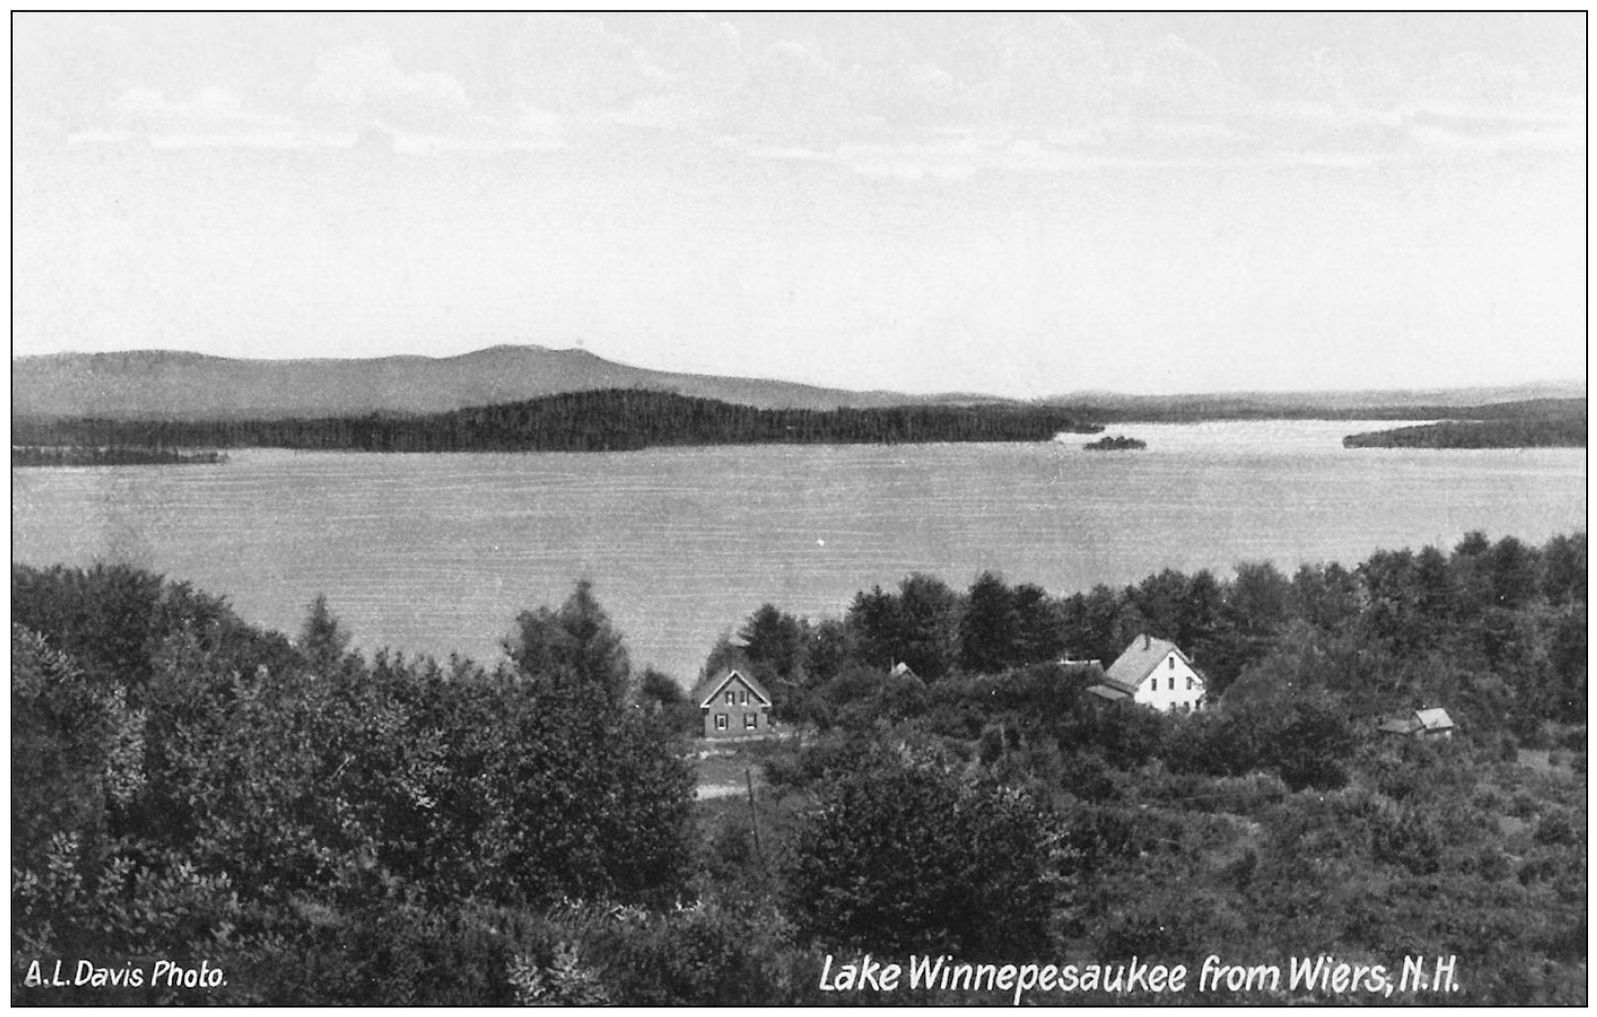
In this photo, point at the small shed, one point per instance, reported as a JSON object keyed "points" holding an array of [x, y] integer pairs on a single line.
{"points": [[1432, 722]]}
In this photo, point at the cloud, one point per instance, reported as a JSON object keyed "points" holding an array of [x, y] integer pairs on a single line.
{"points": [[353, 89], [699, 55], [1042, 68], [792, 87], [962, 155], [1473, 80], [668, 72], [949, 159], [149, 109], [1474, 103], [211, 117], [572, 64], [362, 82], [1024, 93], [1520, 140], [1175, 71], [1341, 80]]}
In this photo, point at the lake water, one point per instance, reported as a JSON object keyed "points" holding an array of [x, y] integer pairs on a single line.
{"points": [[434, 553]]}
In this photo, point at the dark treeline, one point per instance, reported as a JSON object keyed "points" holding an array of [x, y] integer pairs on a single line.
{"points": [[88, 455], [1496, 630], [600, 421], [1565, 432], [333, 829]]}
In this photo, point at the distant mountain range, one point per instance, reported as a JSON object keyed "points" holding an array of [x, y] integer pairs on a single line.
{"points": [[193, 386], [172, 385]]}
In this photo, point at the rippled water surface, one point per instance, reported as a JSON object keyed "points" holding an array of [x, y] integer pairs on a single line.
{"points": [[434, 553]]}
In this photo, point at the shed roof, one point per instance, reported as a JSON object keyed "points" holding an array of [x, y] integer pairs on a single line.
{"points": [[1108, 692], [1434, 719]]}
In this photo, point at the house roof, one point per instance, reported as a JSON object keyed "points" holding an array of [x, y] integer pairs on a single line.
{"points": [[1139, 660], [904, 672], [1434, 719], [708, 690]]}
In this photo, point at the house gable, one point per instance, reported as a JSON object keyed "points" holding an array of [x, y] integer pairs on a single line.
{"points": [[734, 681]]}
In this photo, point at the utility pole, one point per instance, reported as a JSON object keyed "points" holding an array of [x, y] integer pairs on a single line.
{"points": [[754, 819]]}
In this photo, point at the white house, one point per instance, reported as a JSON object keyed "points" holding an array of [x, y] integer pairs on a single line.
{"points": [[1154, 672]]}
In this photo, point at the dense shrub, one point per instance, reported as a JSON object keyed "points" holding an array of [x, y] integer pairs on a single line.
{"points": [[1558, 827], [1407, 836], [907, 856], [253, 810]]}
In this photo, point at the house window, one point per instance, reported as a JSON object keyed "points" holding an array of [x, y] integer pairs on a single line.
{"points": [[1172, 683], [1189, 683], [743, 697], [720, 722], [731, 697], [1172, 662], [1172, 707], [751, 721]]}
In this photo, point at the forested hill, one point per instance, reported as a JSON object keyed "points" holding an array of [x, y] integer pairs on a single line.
{"points": [[608, 420]]}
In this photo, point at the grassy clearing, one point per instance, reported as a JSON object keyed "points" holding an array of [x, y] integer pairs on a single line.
{"points": [[724, 770]]}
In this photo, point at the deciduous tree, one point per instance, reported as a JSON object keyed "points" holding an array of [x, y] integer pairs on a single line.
{"points": [[575, 647]]}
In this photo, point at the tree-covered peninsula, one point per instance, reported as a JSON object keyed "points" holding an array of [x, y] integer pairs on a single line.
{"points": [[1563, 432], [608, 420]]}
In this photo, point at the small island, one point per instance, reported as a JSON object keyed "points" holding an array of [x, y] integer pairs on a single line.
{"points": [[1115, 443], [89, 455]]}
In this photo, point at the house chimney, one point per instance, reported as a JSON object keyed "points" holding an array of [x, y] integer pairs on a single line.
{"points": [[1147, 641]]}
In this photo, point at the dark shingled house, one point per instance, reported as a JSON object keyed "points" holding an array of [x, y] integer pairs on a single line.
{"points": [[734, 705]]}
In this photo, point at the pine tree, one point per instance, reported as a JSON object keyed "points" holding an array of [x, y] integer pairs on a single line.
{"points": [[322, 640]]}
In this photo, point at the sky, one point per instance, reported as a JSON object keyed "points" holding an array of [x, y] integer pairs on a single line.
{"points": [[1020, 205]]}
